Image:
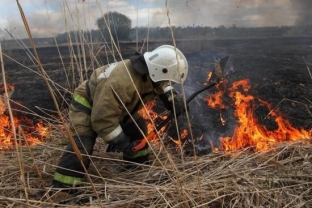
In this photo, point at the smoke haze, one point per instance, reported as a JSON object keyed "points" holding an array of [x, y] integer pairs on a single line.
{"points": [[48, 18], [304, 13]]}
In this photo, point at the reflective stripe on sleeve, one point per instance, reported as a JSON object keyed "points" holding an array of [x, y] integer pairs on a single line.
{"points": [[82, 100], [113, 134], [66, 179]]}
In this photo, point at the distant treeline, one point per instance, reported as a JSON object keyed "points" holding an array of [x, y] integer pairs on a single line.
{"points": [[164, 34]]}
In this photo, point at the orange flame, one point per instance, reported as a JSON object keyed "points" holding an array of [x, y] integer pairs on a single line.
{"points": [[209, 75], [7, 139], [248, 131], [149, 115], [42, 130], [216, 101], [184, 134]]}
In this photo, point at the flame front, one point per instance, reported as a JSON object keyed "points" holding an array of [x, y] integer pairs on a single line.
{"points": [[248, 132], [149, 115], [7, 136]]}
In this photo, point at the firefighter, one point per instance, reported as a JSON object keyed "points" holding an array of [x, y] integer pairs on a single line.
{"points": [[106, 106]]}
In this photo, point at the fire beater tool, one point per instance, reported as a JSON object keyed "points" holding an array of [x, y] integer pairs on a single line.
{"points": [[219, 69]]}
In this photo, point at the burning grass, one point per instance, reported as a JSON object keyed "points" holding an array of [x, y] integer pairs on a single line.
{"points": [[280, 177], [249, 131], [276, 177]]}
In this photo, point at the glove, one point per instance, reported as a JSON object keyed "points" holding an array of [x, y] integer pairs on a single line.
{"points": [[172, 101], [122, 143]]}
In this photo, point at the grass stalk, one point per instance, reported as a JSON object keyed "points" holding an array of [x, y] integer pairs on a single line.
{"points": [[41, 70]]}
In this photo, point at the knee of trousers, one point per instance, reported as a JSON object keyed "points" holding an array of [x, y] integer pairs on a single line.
{"points": [[84, 143], [69, 164]]}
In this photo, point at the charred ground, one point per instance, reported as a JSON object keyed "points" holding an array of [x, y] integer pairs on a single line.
{"points": [[278, 70], [279, 73]]}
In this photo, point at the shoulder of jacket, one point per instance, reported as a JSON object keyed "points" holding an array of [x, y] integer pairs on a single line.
{"points": [[106, 70]]}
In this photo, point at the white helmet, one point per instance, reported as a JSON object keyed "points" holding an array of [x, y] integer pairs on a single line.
{"points": [[166, 63]]}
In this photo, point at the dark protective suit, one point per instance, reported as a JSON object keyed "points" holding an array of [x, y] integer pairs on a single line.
{"points": [[101, 107]]}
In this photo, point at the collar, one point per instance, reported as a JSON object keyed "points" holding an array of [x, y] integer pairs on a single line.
{"points": [[138, 63]]}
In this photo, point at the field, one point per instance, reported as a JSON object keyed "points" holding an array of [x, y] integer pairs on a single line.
{"points": [[205, 171]]}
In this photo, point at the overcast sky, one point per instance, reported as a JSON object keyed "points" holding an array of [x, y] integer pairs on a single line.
{"points": [[47, 18]]}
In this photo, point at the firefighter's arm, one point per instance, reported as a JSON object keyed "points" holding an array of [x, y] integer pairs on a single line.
{"points": [[106, 111]]}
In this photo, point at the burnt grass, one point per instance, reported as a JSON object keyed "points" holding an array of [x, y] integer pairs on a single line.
{"points": [[276, 67]]}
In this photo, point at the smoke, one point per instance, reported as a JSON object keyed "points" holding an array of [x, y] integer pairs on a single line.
{"points": [[242, 13], [47, 18], [304, 14]]}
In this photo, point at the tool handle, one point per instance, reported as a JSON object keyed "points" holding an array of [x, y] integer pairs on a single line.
{"points": [[164, 122], [199, 91], [143, 142]]}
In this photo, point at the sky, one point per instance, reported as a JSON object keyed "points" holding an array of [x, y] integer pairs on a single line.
{"points": [[48, 18]]}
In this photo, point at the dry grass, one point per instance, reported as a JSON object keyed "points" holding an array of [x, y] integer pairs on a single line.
{"points": [[280, 177]]}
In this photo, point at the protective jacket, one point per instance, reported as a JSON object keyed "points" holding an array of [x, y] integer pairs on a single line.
{"points": [[112, 92]]}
